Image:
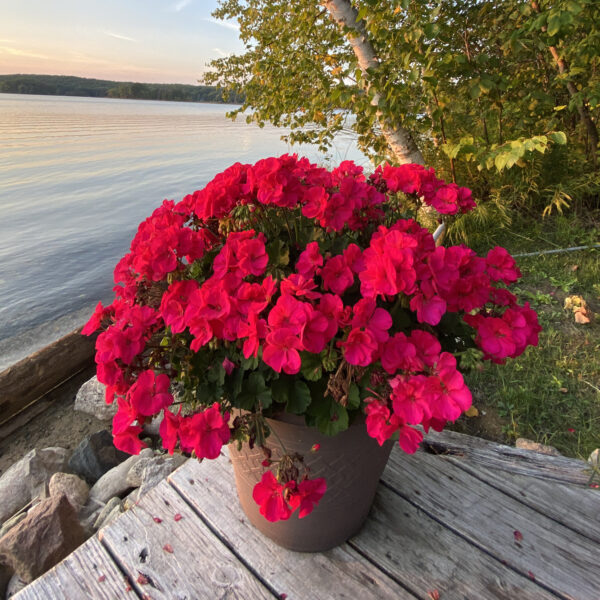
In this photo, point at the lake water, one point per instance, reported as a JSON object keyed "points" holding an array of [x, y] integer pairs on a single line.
{"points": [[77, 175]]}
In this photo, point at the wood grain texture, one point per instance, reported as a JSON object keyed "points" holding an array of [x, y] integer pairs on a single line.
{"points": [[427, 556], [555, 556], [88, 573], [572, 506], [506, 458], [176, 559], [31, 378], [341, 573]]}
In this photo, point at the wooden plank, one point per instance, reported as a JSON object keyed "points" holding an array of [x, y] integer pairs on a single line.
{"points": [[88, 573], [36, 375], [505, 458], [335, 574], [427, 557], [558, 559], [168, 558], [548, 497]]}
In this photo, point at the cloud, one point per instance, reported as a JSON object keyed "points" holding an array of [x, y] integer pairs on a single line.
{"points": [[179, 6], [221, 52], [228, 24], [118, 36], [23, 53]]}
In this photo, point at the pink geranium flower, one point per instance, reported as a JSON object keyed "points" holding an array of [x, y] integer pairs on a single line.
{"points": [[268, 493], [310, 260], [284, 272], [337, 275], [280, 351], [359, 348], [307, 495], [205, 433], [150, 393]]}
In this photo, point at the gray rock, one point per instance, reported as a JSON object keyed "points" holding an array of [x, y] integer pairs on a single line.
{"points": [[88, 515], [108, 508], [156, 471], [96, 455], [152, 427], [6, 574], [111, 516], [525, 444], [114, 482], [42, 539], [15, 585], [131, 500], [134, 476], [90, 399], [75, 489], [28, 478], [7, 525]]}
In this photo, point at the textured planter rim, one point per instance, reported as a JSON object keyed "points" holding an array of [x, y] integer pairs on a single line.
{"points": [[351, 462]]}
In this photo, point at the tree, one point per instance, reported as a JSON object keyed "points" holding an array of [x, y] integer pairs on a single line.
{"points": [[469, 84]]}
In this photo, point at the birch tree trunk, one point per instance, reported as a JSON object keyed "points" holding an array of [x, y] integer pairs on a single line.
{"points": [[398, 138]]}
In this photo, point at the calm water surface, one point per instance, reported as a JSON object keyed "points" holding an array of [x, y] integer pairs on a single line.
{"points": [[77, 175]]}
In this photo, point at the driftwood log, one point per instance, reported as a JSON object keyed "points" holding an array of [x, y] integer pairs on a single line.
{"points": [[31, 379]]}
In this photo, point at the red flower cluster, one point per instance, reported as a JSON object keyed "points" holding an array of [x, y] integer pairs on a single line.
{"points": [[278, 501], [282, 259], [446, 198]]}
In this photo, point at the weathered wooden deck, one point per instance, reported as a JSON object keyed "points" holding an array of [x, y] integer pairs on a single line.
{"points": [[463, 518]]}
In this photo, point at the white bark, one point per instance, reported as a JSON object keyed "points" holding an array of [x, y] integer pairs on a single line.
{"points": [[398, 138]]}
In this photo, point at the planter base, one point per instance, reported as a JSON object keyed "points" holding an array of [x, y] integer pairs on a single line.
{"points": [[351, 463]]}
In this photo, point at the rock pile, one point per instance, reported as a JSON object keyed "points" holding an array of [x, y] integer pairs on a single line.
{"points": [[52, 500]]}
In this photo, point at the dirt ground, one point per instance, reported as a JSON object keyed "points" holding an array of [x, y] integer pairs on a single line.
{"points": [[58, 425]]}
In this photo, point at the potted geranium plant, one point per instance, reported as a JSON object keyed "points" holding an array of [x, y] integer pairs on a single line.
{"points": [[284, 288]]}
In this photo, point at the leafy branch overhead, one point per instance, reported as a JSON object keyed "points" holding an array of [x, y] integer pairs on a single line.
{"points": [[491, 85]]}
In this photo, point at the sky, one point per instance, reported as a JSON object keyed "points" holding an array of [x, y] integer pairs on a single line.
{"points": [[154, 41]]}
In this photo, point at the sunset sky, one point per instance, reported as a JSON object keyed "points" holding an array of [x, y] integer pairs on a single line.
{"points": [[160, 41]]}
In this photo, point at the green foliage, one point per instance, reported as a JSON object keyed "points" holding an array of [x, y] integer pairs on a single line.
{"points": [[328, 416], [292, 392], [475, 82], [255, 392], [551, 393]]}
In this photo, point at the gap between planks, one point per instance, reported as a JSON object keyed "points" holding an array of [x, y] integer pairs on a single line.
{"points": [[560, 560], [583, 516], [297, 574]]}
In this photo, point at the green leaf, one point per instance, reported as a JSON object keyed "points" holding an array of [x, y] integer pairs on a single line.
{"points": [[216, 374], [554, 23], [500, 161], [292, 392], [475, 91], [353, 397], [312, 366], [233, 384], [250, 364], [558, 137], [362, 13], [486, 85], [279, 253], [333, 419], [254, 391]]}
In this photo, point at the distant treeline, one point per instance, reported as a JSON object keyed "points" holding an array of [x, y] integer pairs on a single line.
{"points": [[63, 85]]}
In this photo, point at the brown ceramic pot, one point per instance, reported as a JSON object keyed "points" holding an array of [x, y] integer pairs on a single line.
{"points": [[351, 463]]}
